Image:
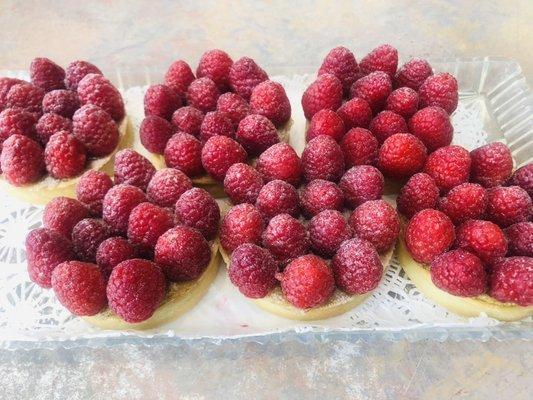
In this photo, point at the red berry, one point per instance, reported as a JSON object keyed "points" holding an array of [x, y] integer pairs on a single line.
{"points": [[25, 96], [118, 203], [402, 155], [76, 71], [386, 124], [6, 84], [322, 158], [374, 88], [324, 93], [270, 100], [64, 156], [359, 147], [46, 74], [146, 223], [198, 209], [215, 64], [62, 214], [403, 101], [420, 192], [112, 252], [520, 237], [383, 58], [355, 113], [184, 152], [341, 62], [22, 160], [166, 187], [278, 197], [161, 100], [523, 177], [483, 238], [179, 76], [203, 94], [449, 166], [439, 90], [319, 195], [242, 183], [361, 183], [463, 202], [87, 236], [413, 73], [432, 126], [492, 164], [154, 133], [62, 102], [326, 122], [216, 123], [132, 168], [508, 205], [50, 124], [219, 153], [327, 230], [92, 188], [512, 281], [280, 161], [188, 119], [14, 121], [242, 224], [97, 90], [256, 133], [286, 238], [96, 130], [244, 76], [233, 106]]}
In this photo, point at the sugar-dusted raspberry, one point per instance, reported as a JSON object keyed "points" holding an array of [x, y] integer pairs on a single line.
{"points": [[374, 88], [319, 195], [401, 156], [132, 168], [270, 100], [382, 58], [118, 203], [5, 84], [413, 73], [439, 90], [307, 282], [97, 90], [184, 152], [161, 100], [420, 192], [46, 74], [324, 93], [286, 238], [460, 273], [216, 123], [341, 62], [64, 156], [233, 106], [215, 65], [377, 222], [359, 147], [357, 267], [432, 126], [492, 164], [92, 188], [280, 162], [523, 177], [326, 122], [253, 270], [463, 202], [203, 94], [26, 96], [403, 101], [256, 133], [166, 187], [135, 289], [428, 234], [278, 197], [244, 76], [361, 183], [242, 183], [512, 281], [146, 223], [449, 166], [219, 153], [45, 250], [112, 252], [327, 230], [520, 239], [22, 160], [242, 224], [87, 236], [355, 113], [96, 130], [80, 287], [179, 76], [386, 124], [154, 133], [49, 124], [483, 238], [61, 214], [508, 205], [62, 102], [188, 119], [198, 209], [322, 158], [76, 71], [15, 121]]}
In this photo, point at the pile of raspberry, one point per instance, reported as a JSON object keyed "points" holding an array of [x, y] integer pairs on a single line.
{"points": [[228, 113], [123, 240], [57, 122]]}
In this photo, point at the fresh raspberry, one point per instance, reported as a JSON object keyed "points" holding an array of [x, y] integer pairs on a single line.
{"points": [[278, 197], [80, 287], [382, 58], [64, 156], [449, 166], [219, 153], [179, 76], [432, 126], [112, 252], [307, 282], [188, 119], [386, 124], [244, 76], [45, 250], [184, 152], [183, 253], [22, 160], [439, 90], [62, 102], [359, 147], [96, 130], [253, 270], [355, 113], [520, 237], [326, 122], [135, 289], [46, 74], [256, 133], [132, 168], [341, 62], [401, 156], [242, 183], [377, 222], [154, 133], [203, 94], [26, 96], [76, 71], [523, 177], [322, 158], [61, 214], [50, 124], [286, 238], [492, 164], [508, 205], [6, 84], [357, 267], [420, 192], [374, 88], [324, 93], [327, 230], [198, 209], [92, 188], [14, 121], [87, 236], [242, 224], [118, 203], [512, 281], [270, 100], [146, 223], [233, 106], [280, 162], [463, 202], [361, 183], [97, 90], [403, 101], [166, 187], [460, 273], [413, 73], [483, 238], [215, 64], [320, 195], [216, 123], [161, 100]]}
